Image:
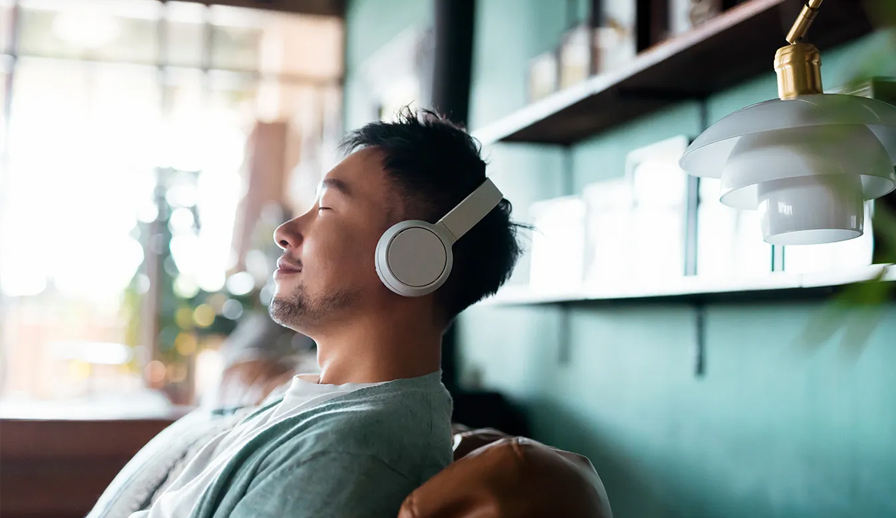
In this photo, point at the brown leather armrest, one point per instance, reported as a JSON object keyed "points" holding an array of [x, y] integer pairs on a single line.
{"points": [[470, 440], [512, 477]]}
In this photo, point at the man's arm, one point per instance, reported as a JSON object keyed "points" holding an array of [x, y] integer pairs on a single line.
{"points": [[337, 485]]}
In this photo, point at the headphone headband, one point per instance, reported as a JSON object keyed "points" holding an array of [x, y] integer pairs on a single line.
{"points": [[471, 210]]}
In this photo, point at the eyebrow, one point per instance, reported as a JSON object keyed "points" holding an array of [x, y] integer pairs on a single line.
{"points": [[337, 184]]}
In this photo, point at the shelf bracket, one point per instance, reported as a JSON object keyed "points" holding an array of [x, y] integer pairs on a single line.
{"points": [[700, 340], [564, 345]]}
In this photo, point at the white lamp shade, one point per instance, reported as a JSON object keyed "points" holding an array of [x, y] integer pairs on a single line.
{"points": [[851, 150], [806, 164], [811, 209], [707, 153]]}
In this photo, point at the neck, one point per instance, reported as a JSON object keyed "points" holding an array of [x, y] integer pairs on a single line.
{"points": [[382, 346]]}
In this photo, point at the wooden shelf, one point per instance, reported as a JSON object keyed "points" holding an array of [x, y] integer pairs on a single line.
{"points": [[772, 286], [735, 46]]}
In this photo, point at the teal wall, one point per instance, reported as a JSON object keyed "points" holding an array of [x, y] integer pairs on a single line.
{"points": [[370, 24], [774, 428]]}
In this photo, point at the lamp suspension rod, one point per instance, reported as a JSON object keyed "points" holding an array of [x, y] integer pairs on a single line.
{"points": [[803, 21]]}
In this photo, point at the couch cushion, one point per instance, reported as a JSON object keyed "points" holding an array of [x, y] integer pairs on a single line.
{"points": [[466, 440], [510, 477]]}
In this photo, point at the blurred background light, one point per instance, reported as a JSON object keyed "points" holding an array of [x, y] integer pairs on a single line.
{"points": [[232, 309], [240, 283], [204, 315], [97, 353]]}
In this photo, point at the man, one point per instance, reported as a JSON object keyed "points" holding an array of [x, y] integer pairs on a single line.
{"points": [[374, 425]]}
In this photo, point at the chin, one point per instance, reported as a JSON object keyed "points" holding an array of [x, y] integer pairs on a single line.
{"points": [[280, 291], [282, 312], [284, 286]]}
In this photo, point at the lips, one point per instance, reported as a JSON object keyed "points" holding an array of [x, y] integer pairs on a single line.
{"points": [[286, 266]]}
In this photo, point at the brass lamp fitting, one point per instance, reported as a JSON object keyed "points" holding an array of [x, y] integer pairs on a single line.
{"points": [[803, 21], [798, 67]]}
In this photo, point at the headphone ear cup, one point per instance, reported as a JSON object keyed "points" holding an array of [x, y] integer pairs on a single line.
{"points": [[413, 258]]}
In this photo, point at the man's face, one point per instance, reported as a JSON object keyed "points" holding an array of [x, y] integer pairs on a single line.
{"points": [[327, 272]]}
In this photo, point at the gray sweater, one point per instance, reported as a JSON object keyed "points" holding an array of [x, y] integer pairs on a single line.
{"points": [[358, 455], [355, 455]]}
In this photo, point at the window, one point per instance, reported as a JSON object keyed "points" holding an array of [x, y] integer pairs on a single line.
{"points": [[123, 170], [78, 165], [5, 27], [90, 29], [184, 34]]}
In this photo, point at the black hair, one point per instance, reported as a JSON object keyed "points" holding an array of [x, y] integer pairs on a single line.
{"points": [[435, 164]]}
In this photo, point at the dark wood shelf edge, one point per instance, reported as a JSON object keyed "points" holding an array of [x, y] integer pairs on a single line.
{"points": [[737, 297], [784, 295]]}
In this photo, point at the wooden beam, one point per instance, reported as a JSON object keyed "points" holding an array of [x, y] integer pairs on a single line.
{"points": [[315, 7]]}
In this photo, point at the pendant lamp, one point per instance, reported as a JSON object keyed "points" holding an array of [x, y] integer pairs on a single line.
{"points": [[807, 161]]}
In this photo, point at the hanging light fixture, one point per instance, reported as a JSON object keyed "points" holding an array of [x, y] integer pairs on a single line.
{"points": [[806, 161]]}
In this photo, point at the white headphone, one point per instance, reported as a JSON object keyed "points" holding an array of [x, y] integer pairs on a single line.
{"points": [[413, 258]]}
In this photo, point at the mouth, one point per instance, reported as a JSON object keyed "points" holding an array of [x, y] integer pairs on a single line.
{"points": [[286, 267]]}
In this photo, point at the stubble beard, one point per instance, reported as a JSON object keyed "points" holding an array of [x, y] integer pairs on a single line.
{"points": [[299, 310]]}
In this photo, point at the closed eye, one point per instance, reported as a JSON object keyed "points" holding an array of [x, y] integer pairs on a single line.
{"points": [[323, 208]]}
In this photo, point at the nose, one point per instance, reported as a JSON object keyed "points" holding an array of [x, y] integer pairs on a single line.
{"points": [[288, 235]]}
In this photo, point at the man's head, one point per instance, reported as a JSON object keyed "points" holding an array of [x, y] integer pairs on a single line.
{"points": [[416, 167]]}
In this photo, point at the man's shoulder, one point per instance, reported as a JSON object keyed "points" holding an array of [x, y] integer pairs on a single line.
{"points": [[378, 414], [388, 407], [405, 428], [387, 399]]}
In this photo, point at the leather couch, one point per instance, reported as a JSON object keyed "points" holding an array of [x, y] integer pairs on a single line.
{"points": [[498, 476]]}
